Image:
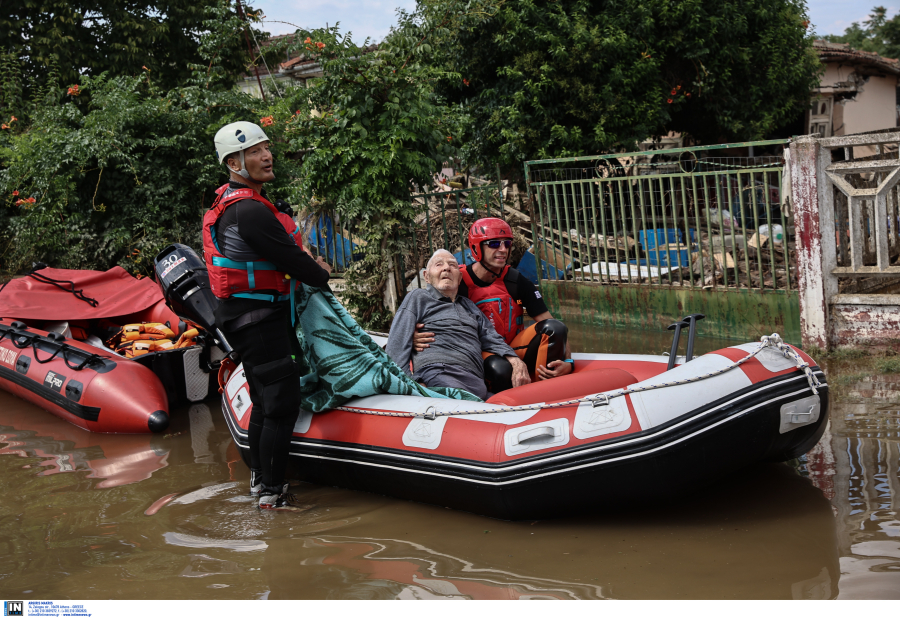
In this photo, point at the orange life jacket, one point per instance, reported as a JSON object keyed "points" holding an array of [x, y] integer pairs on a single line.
{"points": [[232, 278], [496, 303]]}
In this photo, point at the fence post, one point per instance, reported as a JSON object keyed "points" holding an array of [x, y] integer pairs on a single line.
{"points": [[812, 199]]}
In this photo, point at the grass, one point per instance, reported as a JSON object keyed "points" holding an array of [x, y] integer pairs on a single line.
{"points": [[888, 364]]}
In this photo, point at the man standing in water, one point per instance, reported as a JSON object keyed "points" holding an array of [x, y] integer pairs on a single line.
{"points": [[255, 259]]}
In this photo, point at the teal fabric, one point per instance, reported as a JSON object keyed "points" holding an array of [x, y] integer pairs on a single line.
{"points": [[341, 361]]}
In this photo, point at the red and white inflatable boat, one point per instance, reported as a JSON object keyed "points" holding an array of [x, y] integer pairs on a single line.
{"points": [[96, 390], [636, 432]]}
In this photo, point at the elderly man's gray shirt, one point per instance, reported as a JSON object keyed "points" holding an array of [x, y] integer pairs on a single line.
{"points": [[461, 332]]}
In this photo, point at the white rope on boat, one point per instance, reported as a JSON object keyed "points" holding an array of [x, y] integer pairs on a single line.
{"points": [[602, 399]]}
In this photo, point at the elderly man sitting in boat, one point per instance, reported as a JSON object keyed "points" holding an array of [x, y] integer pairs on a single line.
{"points": [[461, 333]]}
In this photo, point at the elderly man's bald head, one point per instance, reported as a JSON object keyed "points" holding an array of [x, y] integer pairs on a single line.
{"points": [[442, 272]]}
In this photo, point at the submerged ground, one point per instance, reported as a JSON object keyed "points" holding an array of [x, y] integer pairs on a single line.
{"points": [[88, 516]]}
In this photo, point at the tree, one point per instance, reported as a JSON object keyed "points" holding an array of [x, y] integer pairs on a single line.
{"points": [[546, 79], [372, 127], [877, 34], [89, 37], [112, 169]]}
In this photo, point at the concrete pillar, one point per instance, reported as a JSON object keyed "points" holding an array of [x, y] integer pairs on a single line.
{"points": [[812, 199]]}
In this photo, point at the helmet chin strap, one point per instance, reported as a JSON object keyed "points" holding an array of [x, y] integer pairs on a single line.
{"points": [[488, 268], [243, 173]]}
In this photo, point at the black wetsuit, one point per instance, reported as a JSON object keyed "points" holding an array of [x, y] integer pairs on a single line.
{"points": [[261, 332]]}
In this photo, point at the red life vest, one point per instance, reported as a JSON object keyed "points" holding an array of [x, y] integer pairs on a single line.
{"points": [[497, 304], [231, 278]]}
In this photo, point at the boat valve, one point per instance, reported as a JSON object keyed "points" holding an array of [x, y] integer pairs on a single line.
{"points": [[677, 326]]}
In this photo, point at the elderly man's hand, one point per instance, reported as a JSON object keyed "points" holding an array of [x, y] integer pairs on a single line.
{"points": [[520, 375], [553, 370], [420, 339], [323, 264]]}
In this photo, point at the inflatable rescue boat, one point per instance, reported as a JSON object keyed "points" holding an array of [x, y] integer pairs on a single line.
{"points": [[56, 350], [96, 390], [619, 428]]}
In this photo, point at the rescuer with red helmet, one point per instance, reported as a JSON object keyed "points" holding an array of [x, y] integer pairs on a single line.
{"points": [[255, 260], [503, 294]]}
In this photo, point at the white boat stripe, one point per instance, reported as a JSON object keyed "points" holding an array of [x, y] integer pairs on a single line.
{"points": [[552, 472], [543, 461]]}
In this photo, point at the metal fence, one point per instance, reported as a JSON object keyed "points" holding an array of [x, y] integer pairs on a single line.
{"points": [[696, 217], [863, 171]]}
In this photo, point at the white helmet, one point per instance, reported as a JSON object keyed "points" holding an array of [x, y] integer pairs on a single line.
{"points": [[237, 137]]}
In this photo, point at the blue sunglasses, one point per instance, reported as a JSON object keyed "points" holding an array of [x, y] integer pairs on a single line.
{"points": [[495, 244]]}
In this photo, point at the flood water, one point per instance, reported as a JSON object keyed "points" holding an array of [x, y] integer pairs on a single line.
{"points": [[88, 516]]}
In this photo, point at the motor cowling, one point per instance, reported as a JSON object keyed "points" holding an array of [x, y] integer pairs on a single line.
{"points": [[184, 280]]}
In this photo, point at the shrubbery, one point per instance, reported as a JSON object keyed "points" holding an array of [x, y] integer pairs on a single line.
{"points": [[111, 169]]}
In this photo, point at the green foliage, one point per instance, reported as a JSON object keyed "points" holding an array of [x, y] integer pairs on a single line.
{"points": [[97, 36], [877, 34], [543, 79], [372, 128], [113, 174]]}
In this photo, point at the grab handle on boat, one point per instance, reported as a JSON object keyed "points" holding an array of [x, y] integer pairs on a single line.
{"points": [[535, 434], [692, 331], [677, 326]]}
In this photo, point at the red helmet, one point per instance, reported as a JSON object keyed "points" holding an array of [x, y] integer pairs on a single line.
{"points": [[487, 229]]}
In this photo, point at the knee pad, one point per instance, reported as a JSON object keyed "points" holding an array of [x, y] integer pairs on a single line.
{"points": [[498, 373], [557, 335], [279, 386]]}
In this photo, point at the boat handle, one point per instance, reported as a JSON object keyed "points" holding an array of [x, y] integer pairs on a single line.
{"points": [[532, 434]]}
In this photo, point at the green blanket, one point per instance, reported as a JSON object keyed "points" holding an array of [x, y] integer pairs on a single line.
{"points": [[340, 361]]}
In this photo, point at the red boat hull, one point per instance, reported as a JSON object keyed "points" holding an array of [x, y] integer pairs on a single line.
{"points": [[95, 390]]}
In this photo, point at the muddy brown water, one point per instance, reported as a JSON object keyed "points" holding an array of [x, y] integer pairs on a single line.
{"points": [[88, 516]]}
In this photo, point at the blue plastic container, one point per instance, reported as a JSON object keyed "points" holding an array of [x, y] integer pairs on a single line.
{"points": [[650, 239]]}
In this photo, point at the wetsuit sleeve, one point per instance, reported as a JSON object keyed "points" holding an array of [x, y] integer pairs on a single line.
{"points": [[400, 339], [529, 296], [266, 236]]}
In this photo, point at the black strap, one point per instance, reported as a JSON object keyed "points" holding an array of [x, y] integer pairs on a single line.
{"points": [[79, 294], [511, 280]]}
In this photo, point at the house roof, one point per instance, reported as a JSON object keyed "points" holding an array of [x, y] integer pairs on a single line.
{"points": [[844, 54]]}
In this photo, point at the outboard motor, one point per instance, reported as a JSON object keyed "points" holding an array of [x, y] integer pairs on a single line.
{"points": [[184, 280]]}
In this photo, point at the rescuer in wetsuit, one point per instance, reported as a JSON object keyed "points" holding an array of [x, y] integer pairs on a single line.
{"points": [[255, 258], [502, 292]]}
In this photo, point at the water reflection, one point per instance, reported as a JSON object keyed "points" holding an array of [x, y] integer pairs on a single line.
{"points": [[95, 516], [118, 460], [856, 465]]}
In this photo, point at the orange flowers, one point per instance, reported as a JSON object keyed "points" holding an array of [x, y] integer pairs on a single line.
{"points": [[15, 193], [4, 126], [668, 100], [29, 200], [267, 121], [74, 90], [449, 138], [673, 92], [12, 119], [145, 68], [313, 46], [466, 82]]}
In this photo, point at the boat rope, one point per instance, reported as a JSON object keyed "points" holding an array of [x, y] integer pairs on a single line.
{"points": [[79, 294], [24, 341], [602, 399]]}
